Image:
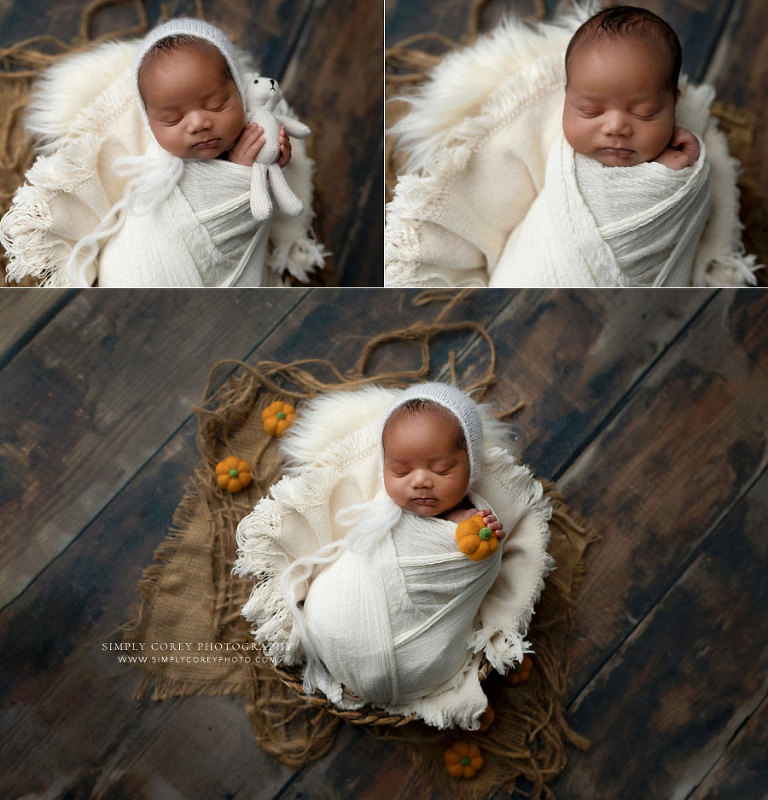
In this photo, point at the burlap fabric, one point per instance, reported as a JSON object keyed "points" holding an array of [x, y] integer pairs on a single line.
{"points": [[190, 595], [409, 62]]}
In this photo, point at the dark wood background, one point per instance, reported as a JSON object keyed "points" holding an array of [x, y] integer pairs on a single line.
{"points": [[723, 44], [647, 407], [327, 55]]}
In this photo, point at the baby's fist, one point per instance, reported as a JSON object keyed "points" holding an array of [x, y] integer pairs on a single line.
{"points": [[682, 150]]}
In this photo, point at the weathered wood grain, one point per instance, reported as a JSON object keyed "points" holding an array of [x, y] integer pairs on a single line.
{"points": [[361, 258], [671, 697], [22, 313], [91, 396], [379, 770], [335, 79], [335, 324], [687, 445], [572, 357], [57, 680], [742, 771]]}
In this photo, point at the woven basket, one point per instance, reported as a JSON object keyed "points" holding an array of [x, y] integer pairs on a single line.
{"points": [[293, 678]]}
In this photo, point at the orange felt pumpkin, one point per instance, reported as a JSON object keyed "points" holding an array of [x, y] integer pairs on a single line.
{"points": [[463, 759], [278, 417], [233, 474], [521, 672], [475, 539], [487, 718]]}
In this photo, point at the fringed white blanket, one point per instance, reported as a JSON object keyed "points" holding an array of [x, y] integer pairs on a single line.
{"points": [[593, 225], [84, 117], [478, 138], [403, 625]]}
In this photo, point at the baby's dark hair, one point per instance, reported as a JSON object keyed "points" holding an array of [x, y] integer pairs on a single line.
{"points": [[181, 41], [419, 405], [630, 22]]}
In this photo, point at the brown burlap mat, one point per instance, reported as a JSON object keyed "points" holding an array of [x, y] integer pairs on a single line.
{"points": [[190, 595], [410, 61]]}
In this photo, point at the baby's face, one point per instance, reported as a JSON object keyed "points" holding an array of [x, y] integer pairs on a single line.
{"points": [[618, 109], [425, 468], [194, 109]]}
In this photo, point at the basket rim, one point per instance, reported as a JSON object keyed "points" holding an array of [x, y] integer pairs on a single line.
{"points": [[293, 679]]}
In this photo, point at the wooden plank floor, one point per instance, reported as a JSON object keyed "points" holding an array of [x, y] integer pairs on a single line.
{"points": [[327, 54], [723, 44], [648, 407]]}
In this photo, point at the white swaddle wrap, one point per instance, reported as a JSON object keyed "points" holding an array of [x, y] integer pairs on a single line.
{"points": [[397, 615], [593, 225], [418, 592], [205, 222]]}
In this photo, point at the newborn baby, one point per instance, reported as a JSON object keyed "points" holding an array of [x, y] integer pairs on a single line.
{"points": [[426, 463], [594, 223], [622, 68], [362, 574], [391, 616]]}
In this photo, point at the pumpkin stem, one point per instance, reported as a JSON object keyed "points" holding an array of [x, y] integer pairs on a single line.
{"points": [[281, 414], [485, 534], [233, 473]]}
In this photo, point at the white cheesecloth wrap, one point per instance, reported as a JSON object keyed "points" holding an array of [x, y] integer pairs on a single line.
{"points": [[396, 620], [594, 226]]}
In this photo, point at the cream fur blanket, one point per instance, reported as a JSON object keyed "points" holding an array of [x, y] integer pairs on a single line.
{"points": [[478, 138], [84, 117], [404, 625]]}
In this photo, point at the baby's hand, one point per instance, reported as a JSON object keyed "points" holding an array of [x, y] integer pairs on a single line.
{"points": [[681, 152], [489, 519], [285, 148], [247, 146], [491, 522]]}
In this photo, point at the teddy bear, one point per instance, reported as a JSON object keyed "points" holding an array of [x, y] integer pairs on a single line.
{"points": [[267, 180]]}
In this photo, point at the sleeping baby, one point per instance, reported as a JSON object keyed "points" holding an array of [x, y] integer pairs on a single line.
{"points": [[631, 184], [154, 174], [396, 613], [191, 92]]}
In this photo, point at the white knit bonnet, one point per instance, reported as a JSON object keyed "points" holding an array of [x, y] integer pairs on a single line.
{"points": [[198, 29], [457, 403]]}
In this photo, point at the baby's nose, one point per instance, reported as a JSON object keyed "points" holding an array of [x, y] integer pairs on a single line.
{"points": [[616, 124], [199, 121], [422, 478]]}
